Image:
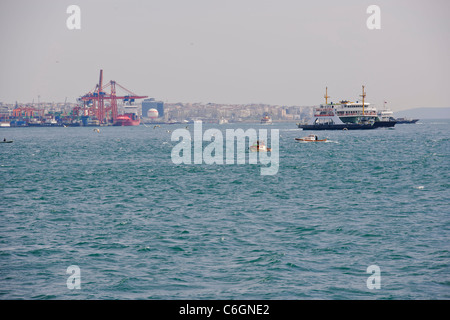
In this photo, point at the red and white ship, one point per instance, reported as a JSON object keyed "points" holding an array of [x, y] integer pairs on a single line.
{"points": [[127, 119]]}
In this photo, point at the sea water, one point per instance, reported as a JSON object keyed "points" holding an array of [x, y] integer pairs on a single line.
{"points": [[137, 226]]}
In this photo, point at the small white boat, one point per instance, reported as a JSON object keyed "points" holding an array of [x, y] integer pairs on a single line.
{"points": [[223, 121], [259, 146], [311, 138]]}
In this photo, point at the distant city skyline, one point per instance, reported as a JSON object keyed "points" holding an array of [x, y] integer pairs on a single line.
{"points": [[235, 52]]}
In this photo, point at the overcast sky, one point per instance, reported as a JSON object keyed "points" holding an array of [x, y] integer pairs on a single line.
{"points": [[281, 52]]}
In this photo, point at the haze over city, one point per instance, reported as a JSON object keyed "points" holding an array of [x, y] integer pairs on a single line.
{"points": [[273, 52]]}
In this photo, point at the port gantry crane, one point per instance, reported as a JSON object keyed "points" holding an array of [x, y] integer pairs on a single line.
{"points": [[94, 101], [27, 112]]}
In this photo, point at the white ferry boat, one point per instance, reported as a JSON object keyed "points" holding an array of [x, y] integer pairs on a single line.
{"points": [[345, 115]]}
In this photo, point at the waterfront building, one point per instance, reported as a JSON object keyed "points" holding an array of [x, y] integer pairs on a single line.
{"points": [[151, 103]]}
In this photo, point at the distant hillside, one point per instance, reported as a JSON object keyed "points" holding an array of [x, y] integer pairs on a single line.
{"points": [[424, 113]]}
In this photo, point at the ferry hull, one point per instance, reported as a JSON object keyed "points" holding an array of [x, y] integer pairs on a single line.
{"points": [[348, 126], [385, 124]]}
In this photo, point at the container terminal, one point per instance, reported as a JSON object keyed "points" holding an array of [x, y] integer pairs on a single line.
{"points": [[98, 107]]}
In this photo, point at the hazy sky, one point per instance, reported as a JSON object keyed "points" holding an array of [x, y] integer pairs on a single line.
{"points": [[235, 51]]}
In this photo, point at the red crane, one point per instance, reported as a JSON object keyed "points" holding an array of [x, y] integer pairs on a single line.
{"points": [[27, 112], [94, 101]]}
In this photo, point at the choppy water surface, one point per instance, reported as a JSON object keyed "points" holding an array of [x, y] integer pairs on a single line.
{"points": [[140, 227]]}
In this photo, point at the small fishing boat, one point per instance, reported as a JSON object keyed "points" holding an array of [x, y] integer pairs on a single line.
{"points": [[259, 146], [311, 138], [7, 141], [266, 119]]}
